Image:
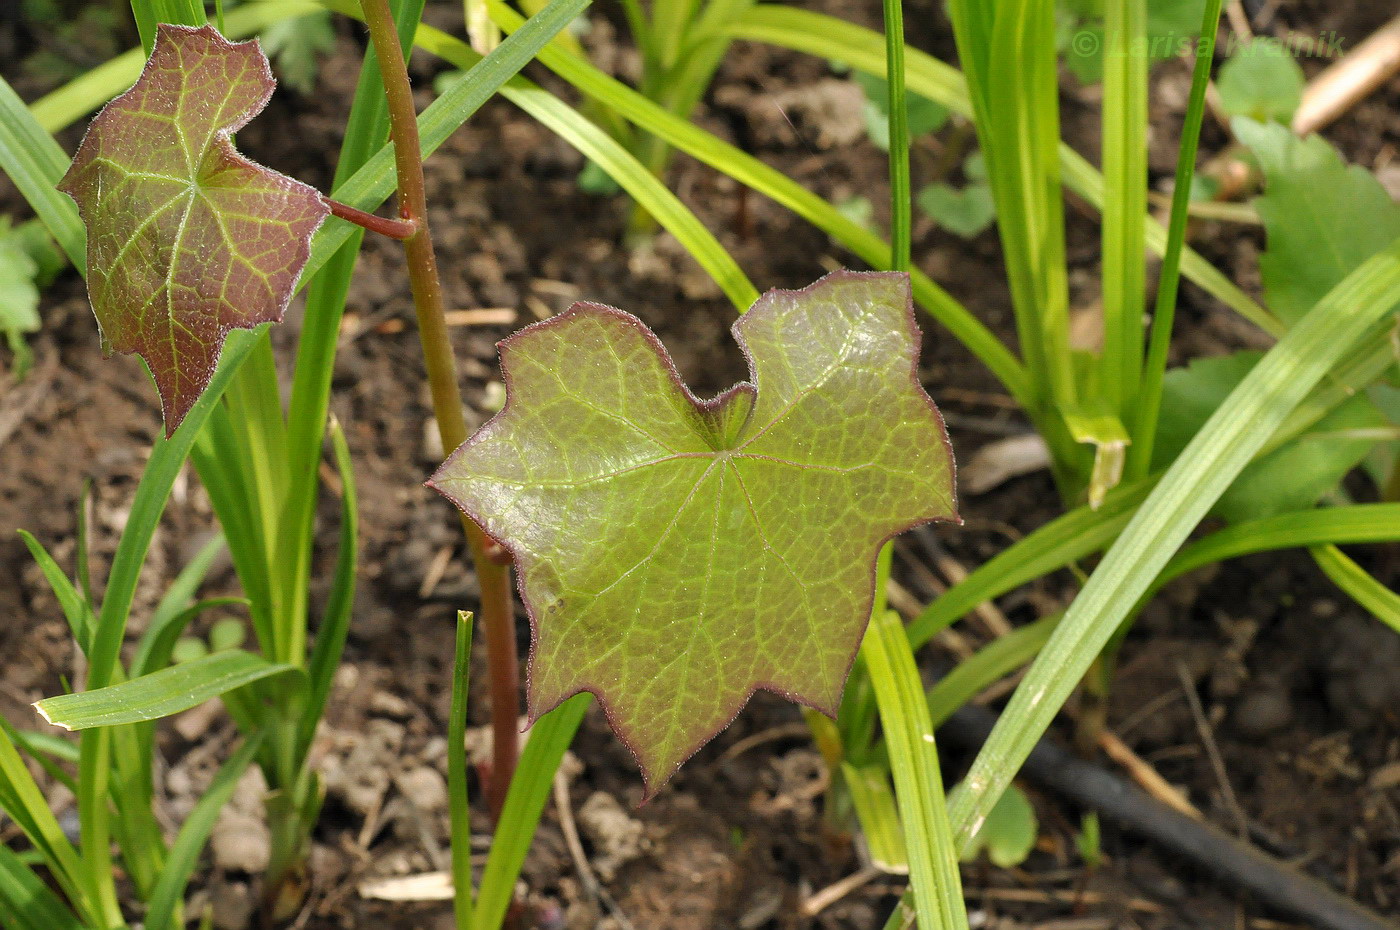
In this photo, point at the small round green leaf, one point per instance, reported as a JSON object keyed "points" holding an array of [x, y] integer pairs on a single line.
{"points": [[187, 239], [675, 555]]}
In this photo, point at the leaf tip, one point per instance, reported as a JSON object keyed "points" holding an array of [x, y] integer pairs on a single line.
{"points": [[43, 712]]}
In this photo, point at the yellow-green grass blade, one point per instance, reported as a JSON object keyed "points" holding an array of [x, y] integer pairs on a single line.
{"points": [[372, 184], [772, 183], [161, 693], [1359, 585], [529, 789], [84, 94], [1242, 425], [166, 898], [863, 49], [918, 781]]}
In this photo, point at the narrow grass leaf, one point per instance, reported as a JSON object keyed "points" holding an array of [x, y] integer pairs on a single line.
{"points": [[150, 13], [35, 162], [161, 693], [1124, 248], [1075, 535], [986, 667], [1143, 420], [1359, 585], [836, 39], [459, 808], [918, 782], [1215, 457], [335, 619], [874, 803], [75, 608], [1362, 523], [26, 902], [772, 183], [529, 789], [26, 805], [169, 890]]}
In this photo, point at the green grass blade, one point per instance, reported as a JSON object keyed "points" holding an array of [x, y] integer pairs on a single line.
{"points": [[1362, 523], [35, 162], [26, 903], [75, 608], [901, 198], [749, 171], [335, 620], [150, 12], [863, 49], [26, 805], [85, 93], [217, 458], [166, 459], [529, 789], [161, 693], [1143, 423], [366, 131], [457, 799], [869, 787], [918, 782], [194, 833], [1075, 535], [986, 667], [624, 168], [1359, 585], [1243, 424], [1008, 54], [1124, 247]]}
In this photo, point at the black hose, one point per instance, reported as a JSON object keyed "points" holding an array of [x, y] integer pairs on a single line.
{"points": [[1276, 884]]}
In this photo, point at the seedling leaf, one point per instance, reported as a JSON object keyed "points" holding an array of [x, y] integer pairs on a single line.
{"points": [[1261, 81], [187, 239], [1314, 241], [675, 555], [1292, 477]]}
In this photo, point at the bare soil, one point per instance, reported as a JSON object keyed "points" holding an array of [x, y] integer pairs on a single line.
{"points": [[1298, 686]]}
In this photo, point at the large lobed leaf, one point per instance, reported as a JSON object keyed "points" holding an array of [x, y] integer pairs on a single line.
{"points": [[675, 555], [187, 239]]}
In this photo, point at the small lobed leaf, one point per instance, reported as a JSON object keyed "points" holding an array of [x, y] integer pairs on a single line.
{"points": [[187, 238], [1322, 217], [675, 555]]}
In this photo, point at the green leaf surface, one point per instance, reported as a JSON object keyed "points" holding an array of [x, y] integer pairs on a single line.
{"points": [[677, 555], [159, 694], [1262, 81], [19, 292], [1009, 834], [1292, 477], [296, 46], [925, 115], [1323, 218], [966, 211], [187, 239]]}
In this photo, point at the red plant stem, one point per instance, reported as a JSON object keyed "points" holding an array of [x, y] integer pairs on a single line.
{"points": [[394, 229], [497, 615]]}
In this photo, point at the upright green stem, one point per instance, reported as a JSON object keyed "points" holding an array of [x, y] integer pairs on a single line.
{"points": [[901, 220], [494, 578], [1144, 424]]}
